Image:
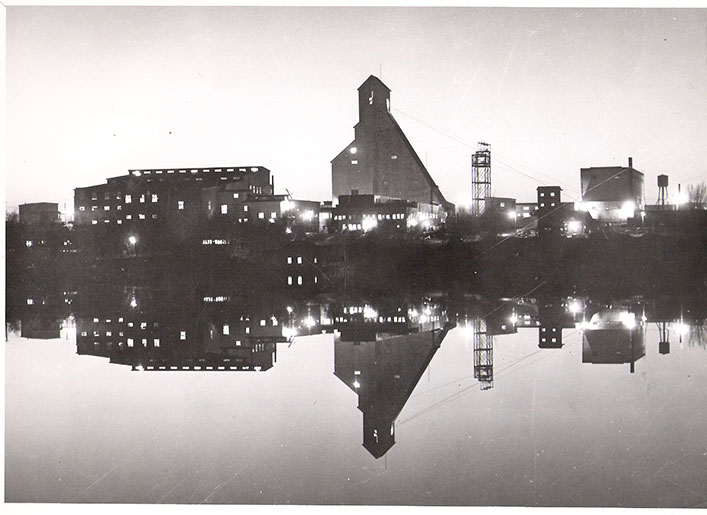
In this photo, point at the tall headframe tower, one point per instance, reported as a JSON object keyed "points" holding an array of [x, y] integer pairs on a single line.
{"points": [[483, 354], [480, 178]]}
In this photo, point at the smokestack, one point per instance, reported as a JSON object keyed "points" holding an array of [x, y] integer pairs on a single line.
{"points": [[630, 162]]}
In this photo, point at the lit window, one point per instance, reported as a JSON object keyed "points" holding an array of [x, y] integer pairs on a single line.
{"points": [[261, 215], [128, 199], [106, 208], [542, 204], [94, 222], [94, 208], [226, 330], [289, 259], [262, 323], [542, 194], [503, 204], [128, 217], [29, 243], [142, 198], [289, 280], [180, 204], [299, 260], [393, 157], [354, 161], [156, 342], [299, 279], [82, 208], [141, 216], [273, 214], [245, 208], [182, 335], [552, 193], [353, 150], [30, 302], [154, 197], [224, 209], [236, 195]]}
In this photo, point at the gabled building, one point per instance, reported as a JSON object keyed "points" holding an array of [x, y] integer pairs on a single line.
{"points": [[380, 160]]}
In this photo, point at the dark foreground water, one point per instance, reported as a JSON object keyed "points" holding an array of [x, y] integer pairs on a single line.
{"points": [[384, 413]]}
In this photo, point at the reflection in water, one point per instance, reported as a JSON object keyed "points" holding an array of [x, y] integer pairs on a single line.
{"points": [[382, 346]]}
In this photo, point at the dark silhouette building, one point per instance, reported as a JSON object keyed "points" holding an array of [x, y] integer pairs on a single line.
{"points": [[380, 160], [612, 193], [39, 213]]}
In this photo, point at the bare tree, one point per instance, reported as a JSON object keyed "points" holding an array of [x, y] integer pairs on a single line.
{"points": [[12, 216], [697, 195]]}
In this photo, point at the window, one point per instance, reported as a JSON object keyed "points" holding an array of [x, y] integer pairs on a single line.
{"points": [[542, 204], [354, 161], [128, 199], [94, 208], [353, 150], [180, 204], [141, 216], [273, 214], [106, 208], [154, 197], [226, 330], [128, 217], [299, 260], [82, 208], [289, 259], [542, 194], [289, 280], [142, 198], [261, 215], [182, 335], [552, 193], [245, 208], [503, 204], [236, 195], [393, 157], [299, 279], [224, 209]]}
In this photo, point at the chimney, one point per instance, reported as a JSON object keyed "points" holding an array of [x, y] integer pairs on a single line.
{"points": [[630, 162]]}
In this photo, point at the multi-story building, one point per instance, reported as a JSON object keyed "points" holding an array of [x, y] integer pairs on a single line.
{"points": [[39, 213], [184, 197], [363, 213], [380, 160], [612, 194]]}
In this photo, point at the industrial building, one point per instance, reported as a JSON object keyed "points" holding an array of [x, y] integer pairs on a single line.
{"points": [[380, 160], [40, 213], [612, 194], [363, 213]]}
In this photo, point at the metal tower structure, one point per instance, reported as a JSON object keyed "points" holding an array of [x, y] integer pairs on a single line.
{"points": [[480, 178], [483, 354]]}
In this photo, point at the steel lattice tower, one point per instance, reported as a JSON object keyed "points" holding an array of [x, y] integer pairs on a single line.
{"points": [[483, 354], [480, 178]]}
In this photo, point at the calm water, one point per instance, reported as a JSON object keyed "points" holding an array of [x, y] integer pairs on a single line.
{"points": [[151, 396]]}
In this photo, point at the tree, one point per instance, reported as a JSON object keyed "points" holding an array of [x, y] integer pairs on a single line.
{"points": [[697, 195]]}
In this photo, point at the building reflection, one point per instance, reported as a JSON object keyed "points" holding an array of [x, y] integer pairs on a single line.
{"points": [[380, 353]]}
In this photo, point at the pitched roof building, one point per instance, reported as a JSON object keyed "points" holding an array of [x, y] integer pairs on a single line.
{"points": [[380, 160]]}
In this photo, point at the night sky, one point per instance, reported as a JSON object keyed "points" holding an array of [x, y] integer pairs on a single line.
{"points": [[94, 91]]}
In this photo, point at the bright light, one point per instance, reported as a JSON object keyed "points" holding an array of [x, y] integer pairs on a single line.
{"points": [[628, 319], [289, 309], [681, 198], [369, 223], [285, 205], [140, 368], [511, 214], [288, 231], [412, 313], [357, 384], [423, 319], [627, 210], [307, 215], [133, 302], [682, 328], [369, 312], [426, 224], [513, 319], [132, 240], [412, 221], [574, 227], [309, 322], [289, 332], [575, 307], [468, 330], [353, 150]]}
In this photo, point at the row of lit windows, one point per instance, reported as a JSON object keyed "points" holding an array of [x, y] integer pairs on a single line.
{"points": [[290, 260], [138, 173], [291, 280]]}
